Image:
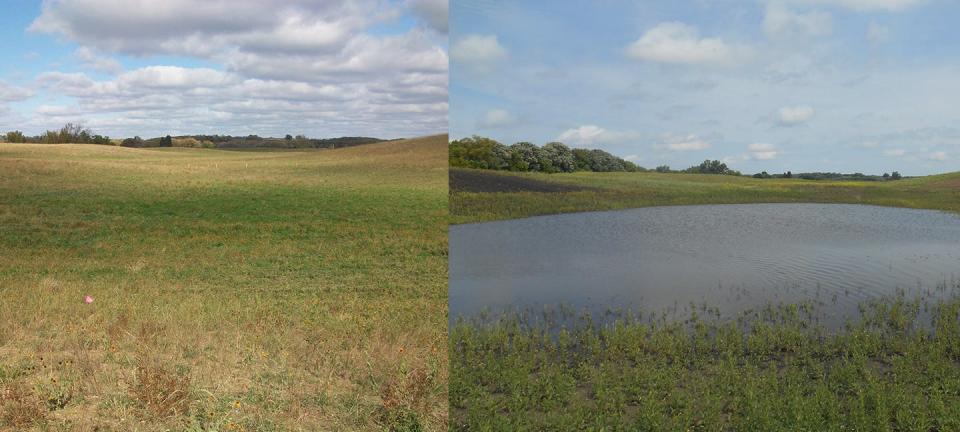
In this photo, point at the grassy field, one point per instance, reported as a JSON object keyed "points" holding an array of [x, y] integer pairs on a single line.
{"points": [[611, 191], [897, 368], [232, 290]]}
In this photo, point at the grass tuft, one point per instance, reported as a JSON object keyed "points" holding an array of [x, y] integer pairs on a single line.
{"points": [[160, 391]]}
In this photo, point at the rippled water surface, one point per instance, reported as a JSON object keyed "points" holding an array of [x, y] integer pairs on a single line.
{"points": [[729, 256]]}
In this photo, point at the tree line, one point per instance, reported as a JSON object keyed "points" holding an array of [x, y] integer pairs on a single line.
{"points": [[485, 153], [831, 176], [555, 157], [69, 133], [72, 133]]}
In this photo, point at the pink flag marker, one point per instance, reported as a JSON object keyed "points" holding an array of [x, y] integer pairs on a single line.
{"points": [[88, 299]]}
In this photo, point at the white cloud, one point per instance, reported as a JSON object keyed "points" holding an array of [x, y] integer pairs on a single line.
{"points": [[171, 99], [281, 39], [763, 151], [866, 5], [97, 62], [175, 77], [9, 93], [633, 158], [675, 42], [894, 152], [689, 142], [434, 12], [497, 118], [478, 50], [588, 135], [207, 29], [361, 59], [791, 116], [778, 19], [938, 156], [877, 33], [319, 59]]}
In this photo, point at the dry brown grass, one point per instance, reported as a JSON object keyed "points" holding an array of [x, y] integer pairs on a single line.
{"points": [[160, 391], [20, 407], [290, 287]]}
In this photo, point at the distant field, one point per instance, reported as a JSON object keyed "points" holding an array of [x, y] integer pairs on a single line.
{"points": [[611, 191], [293, 290]]}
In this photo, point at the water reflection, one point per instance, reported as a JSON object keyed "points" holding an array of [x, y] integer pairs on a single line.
{"points": [[731, 257]]}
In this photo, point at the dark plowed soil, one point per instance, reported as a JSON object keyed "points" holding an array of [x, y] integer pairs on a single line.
{"points": [[468, 180]]}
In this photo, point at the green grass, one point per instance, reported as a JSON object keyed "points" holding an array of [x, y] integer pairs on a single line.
{"points": [[613, 191], [288, 290], [896, 368]]}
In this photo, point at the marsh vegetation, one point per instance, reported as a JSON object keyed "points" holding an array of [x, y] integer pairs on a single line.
{"points": [[893, 367]]}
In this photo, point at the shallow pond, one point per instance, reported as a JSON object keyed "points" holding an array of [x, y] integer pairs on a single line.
{"points": [[731, 257]]}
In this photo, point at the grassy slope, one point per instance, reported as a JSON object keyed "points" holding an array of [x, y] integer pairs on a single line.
{"points": [[630, 190], [295, 289]]}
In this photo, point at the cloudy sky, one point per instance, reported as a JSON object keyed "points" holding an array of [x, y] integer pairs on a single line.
{"points": [[144, 67], [801, 85]]}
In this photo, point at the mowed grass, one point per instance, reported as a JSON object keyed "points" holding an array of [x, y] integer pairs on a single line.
{"points": [[896, 368], [614, 191], [257, 291]]}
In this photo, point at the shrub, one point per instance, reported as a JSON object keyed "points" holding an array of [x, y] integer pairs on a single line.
{"points": [[133, 142], [186, 142], [560, 156], [528, 154], [709, 167]]}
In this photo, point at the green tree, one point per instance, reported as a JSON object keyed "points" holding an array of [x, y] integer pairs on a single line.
{"points": [[601, 161], [581, 159], [895, 175], [479, 152], [529, 153], [560, 157], [15, 137]]}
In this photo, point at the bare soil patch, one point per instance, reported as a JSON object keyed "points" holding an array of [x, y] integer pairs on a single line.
{"points": [[468, 180]]}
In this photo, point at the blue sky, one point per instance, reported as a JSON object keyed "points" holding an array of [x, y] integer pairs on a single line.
{"points": [[801, 85], [150, 68]]}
